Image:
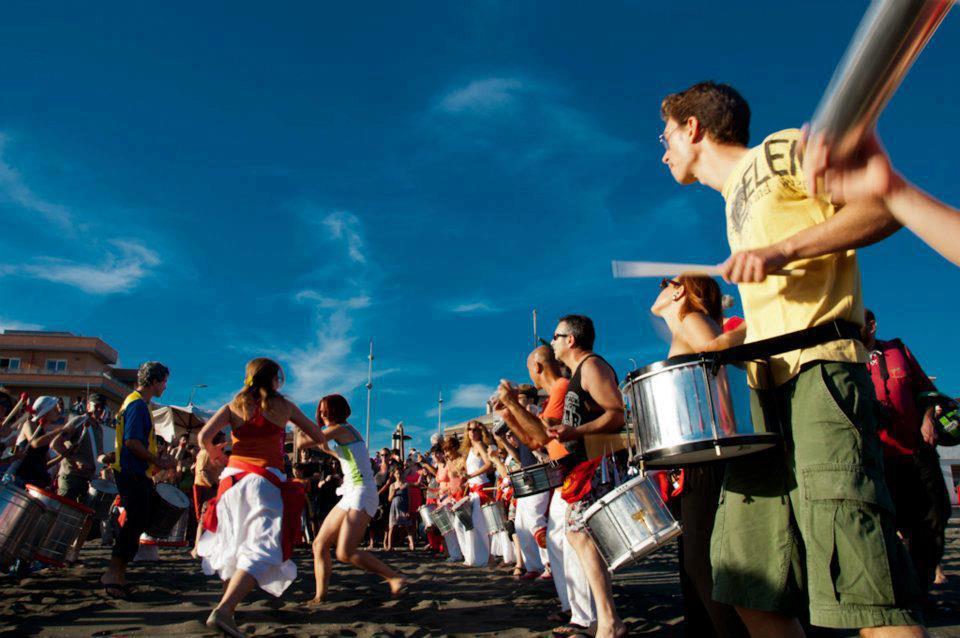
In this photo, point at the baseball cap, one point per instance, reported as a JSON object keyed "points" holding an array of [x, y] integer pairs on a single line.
{"points": [[42, 406]]}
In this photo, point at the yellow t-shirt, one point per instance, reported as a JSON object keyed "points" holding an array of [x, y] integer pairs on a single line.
{"points": [[767, 201]]}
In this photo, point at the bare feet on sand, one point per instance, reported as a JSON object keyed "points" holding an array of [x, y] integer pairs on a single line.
{"points": [[398, 586]]}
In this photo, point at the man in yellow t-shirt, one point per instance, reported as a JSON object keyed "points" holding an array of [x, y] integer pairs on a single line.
{"points": [[806, 529]]}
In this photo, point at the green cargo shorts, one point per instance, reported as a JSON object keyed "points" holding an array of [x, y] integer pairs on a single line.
{"points": [[807, 529]]}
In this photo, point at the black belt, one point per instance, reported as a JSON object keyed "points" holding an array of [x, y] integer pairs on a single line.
{"points": [[800, 339]]}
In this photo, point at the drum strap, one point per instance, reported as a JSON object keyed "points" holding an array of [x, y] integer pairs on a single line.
{"points": [[798, 340]]}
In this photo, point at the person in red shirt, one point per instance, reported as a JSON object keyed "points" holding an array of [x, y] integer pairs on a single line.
{"points": [[911, 463]]}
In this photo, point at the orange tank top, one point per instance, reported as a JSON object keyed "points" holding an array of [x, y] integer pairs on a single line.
{"points": [[259, 441]]}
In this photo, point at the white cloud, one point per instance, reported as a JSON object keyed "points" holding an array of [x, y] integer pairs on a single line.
{"points": [[472, 396], [323, 301], [16, 190], [346, 226], [482, 96], [474, 307], [120, 271]]}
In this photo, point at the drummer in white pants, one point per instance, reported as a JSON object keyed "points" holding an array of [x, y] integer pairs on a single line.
{"points": [[568, 576], [475, 543]]}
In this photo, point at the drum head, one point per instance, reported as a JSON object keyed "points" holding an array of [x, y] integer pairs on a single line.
{"points": [[103, 485], [172, 494]]}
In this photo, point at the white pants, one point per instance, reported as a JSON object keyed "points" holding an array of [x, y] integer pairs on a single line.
{"points": [[475, 543], [531, 514], [568, 575]]}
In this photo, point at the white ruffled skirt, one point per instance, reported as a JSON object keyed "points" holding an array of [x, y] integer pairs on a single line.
{"points": [[249, 519]]}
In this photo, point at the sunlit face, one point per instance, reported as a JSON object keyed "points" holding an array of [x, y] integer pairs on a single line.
{"points": [[679, 154], [668, 291], [325, 414], [562, 340]]}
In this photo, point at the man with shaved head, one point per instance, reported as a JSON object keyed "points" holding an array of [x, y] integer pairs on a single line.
{"points": [[568, 577]]}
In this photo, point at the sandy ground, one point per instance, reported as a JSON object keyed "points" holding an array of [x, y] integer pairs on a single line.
{"points": [[174, 598]]}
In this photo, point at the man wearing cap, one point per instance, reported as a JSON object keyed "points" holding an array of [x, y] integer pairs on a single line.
{"points": [[80, 446], [37, 439], [136, 456]]}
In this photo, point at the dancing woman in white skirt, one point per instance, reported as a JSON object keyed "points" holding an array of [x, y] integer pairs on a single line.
{"points": [[246, 548], [346, 523]]}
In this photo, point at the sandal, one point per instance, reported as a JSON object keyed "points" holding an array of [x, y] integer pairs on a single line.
{"points": [[517, 572]]}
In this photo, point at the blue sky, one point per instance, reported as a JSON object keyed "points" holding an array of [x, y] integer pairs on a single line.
{"points": [[202, 184]]}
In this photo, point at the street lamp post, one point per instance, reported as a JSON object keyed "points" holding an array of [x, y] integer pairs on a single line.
{"points": [[369, 388], [440, 412], [194, 391]]}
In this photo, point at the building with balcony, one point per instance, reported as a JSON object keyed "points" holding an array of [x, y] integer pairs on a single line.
{"points": [[62, 364]]}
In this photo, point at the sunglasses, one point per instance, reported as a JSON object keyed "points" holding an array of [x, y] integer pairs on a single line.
{"points": [[669, 282], [558, 335]]}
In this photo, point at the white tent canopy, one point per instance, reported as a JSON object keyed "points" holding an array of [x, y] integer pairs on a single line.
{"points": [[171, 421]]}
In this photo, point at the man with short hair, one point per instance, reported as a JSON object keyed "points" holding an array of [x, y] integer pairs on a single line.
{"points": [[806, 527], [593, 405], [568, 577], [137, 458], [80, 448], [910, 460]]}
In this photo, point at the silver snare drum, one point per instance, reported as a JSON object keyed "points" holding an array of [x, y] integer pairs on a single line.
{"points": [[689, 410], [60, 542], [100, 497], [463, 512], [630, 522], [494, 516], [443, 519], [537, 479], [426, 511]]}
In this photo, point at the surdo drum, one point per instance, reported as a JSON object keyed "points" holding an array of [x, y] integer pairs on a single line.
{"points": [[494, 516], [20, 517], [537, 479], [692, 409], [443, 519], [463, 512], [425, 515], [169, 505], [630, 522], [176, 538], [59, 541], [100, 497]]}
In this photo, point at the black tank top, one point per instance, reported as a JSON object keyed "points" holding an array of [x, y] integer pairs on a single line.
{"points": [[579, 408], [33, 467]]}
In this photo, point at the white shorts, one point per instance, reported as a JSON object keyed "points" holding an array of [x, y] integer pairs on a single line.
{"points": [[363, 498]]}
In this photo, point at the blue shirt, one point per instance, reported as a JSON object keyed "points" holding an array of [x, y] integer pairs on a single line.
{"points": [[136, 425], [526, 455]]}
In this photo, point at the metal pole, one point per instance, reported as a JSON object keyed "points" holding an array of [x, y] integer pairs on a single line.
{"points": [[440, 413], [194, 391], [536, 341], [369, 388]]}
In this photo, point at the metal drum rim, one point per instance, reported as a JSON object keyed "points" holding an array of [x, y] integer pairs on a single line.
{"points": [[83, 509], [659, 539], [667, 364], [769, 439]]}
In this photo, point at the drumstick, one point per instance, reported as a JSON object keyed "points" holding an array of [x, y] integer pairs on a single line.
{"points": [[634, 269], [13, 412]]}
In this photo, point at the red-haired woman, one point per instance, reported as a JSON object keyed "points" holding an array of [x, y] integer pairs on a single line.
{"points": [[692, 308], [245, 546], [345, 525]]}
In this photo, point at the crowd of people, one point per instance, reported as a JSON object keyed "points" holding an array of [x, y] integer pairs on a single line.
{"points": [[839, 525]]}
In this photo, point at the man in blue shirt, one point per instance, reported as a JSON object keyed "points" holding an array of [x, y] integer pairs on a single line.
{"points": [[136, 459]]}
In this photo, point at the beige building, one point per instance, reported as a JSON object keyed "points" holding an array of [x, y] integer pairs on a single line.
{"points": [[62, 364]]}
